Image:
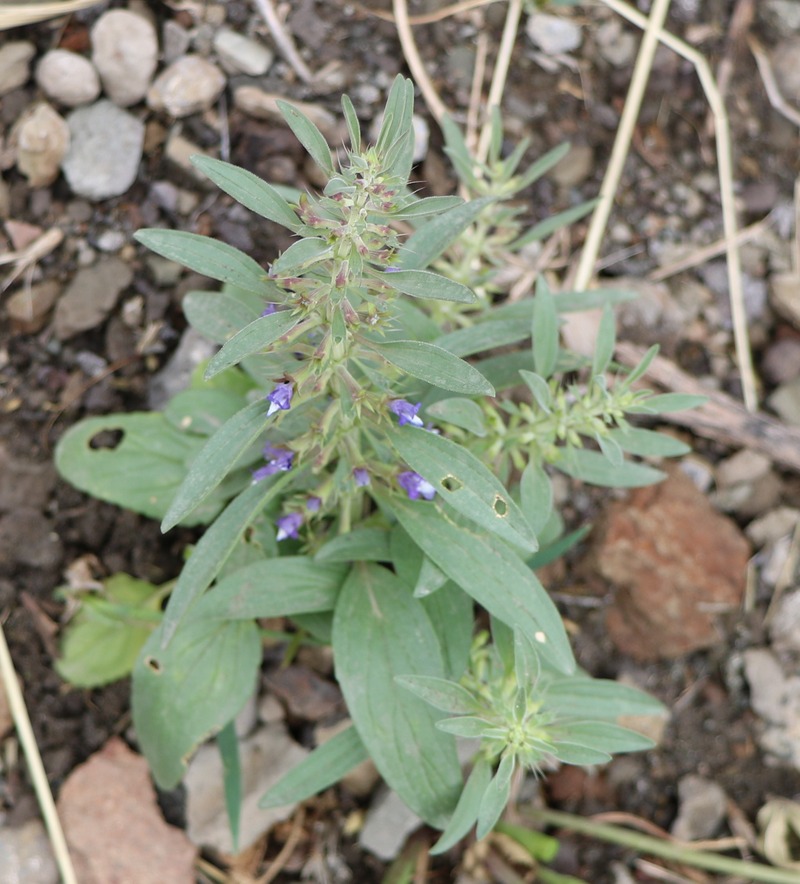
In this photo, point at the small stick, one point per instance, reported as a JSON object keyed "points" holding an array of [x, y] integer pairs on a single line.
{"points": [[36, 770], [471, 129], [283, 40], [430, 17], [771, 87], [409, 45]]}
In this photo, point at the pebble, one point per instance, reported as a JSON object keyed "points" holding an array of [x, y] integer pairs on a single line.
{"points": [[110, 240], [67, 78], [773, 526], [784, 295], [180, 150], [775, 698], [27, 538], [653, 317], [575, 168], [175, 40], [702, 805], [785, 401], [15, 59], [28, 307], [265, 756], [744, 466], [42, 139], [241, 55], [784, 628], [106, 148], [26, 856], [553, 34], [90, 297], [785, 14], [263, 106], [616, 45], [174, 377], [389, 822], [785, 58], [781, 362], [125, 53], [24, 482], [188, 85]]}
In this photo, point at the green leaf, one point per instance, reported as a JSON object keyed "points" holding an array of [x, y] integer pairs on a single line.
{"points": [[99, 646], [396, 137], [452, 614], [669, 402], [249, 190], [574, 302], [429, 205], [430, 579], [458, 152], [324, 767], [460, 412], [466, 812], [215, 547], [468, 727], [436, 366], [543, 165], [185, 693], [216, 459], [594, 468], [544, 330], [359, 545], [228, 745], [202, 412], [300, 256], [308, 135], [483, 336], [605, 343], [583, 697], [380, 631], [558, 548], [640, 369], [600, 735], [550, 225], [611, 450], [253, 338], [488, 570], [206, 255], [540, 389], [536, 493], [440, 693], [278, 587], [541, 847], [142, 472], [425, 284], [571, 753], [432, 238], [648, 443], [495, 797], [465, 483], [503, 371], [220, 315], [353, 126]]}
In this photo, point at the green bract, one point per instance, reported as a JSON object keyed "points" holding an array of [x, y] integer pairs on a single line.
{"points": [[360, 477]]}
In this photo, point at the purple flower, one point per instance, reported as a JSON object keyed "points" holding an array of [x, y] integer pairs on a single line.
{"points": [[280, 398], [406, 412], [288, 525], [361, 477], [415, 486], [271, 308], [279, 460], [313, 503]]}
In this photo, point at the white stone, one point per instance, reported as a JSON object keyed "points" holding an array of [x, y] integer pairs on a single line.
{"points": [[15, 59], [775, 697], [389, 822], [105, 152], [26, 856], [553, 34], [617, 46], [702, 807], [188, 85], [241, 55], [42, 138], [784, 626], [744, 466], [125, 53], [67, 78]]}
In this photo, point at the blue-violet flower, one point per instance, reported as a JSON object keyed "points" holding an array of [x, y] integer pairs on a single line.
{"points": [[361, 477], [271, 308], [313, 503], [415, 486], [279, 460], [288, 525], [280, 398], [406, 412]]}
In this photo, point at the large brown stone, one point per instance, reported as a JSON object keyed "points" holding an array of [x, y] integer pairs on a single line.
{"points": [[676, 563]]}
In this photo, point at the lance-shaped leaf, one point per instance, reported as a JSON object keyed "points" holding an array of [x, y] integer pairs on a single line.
{"points": [[489, 570], [467, 809], [215, 460], [669, 402], [483, 336], [648, 443], [600, 735], [249, 190], [536, 496], [185, 693], [550, 225], [207, 256], [324, 767], [544, 330], [359, 545], [495, 797], [583, 697], [429, 205], [460, 412], [594, 467], [440, 693], [605, 342], [228, 745], [432, 238], [220, 315], [308, 135], [436, 366], [251, 339], [424, 284], [379, 632], [465, 483]]}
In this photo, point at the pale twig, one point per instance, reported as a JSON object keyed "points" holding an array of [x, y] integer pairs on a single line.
{"points": [[26, 258], [725, 171], [283, 40], [771, 87], [36, 771], [430, 17], [409, 45], [619, 153], [14, 15], [500, 73], [473, 111], [276, 866]]}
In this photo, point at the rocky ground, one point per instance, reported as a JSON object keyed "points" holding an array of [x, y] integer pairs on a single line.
{"points": [[688, 589]]}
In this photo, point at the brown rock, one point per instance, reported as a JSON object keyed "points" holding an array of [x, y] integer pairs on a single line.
{"points": [[677, 564], [28, 307], [41, 139], [91, 296], [113, 826]]}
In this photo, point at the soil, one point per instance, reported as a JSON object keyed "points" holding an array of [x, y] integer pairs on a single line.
{"points": [[47, 384]]}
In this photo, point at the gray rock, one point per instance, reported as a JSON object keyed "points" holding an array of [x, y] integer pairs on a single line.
{"points": [[26, 856], [67, 78], [241, 55], [784, 628], [553, 34], [175, 375], [784, 292], [125, 53], [781, 362], [576, 166], [175, 40], [24, 482], [774, 525], [616, 45], [15, 59], [42, 139], [389, 822], [786, 402], [783, 14], [265, 756], [105, 152], [775, 697], [744, 466], [701, 808], [90, 297], [188, 85]]}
